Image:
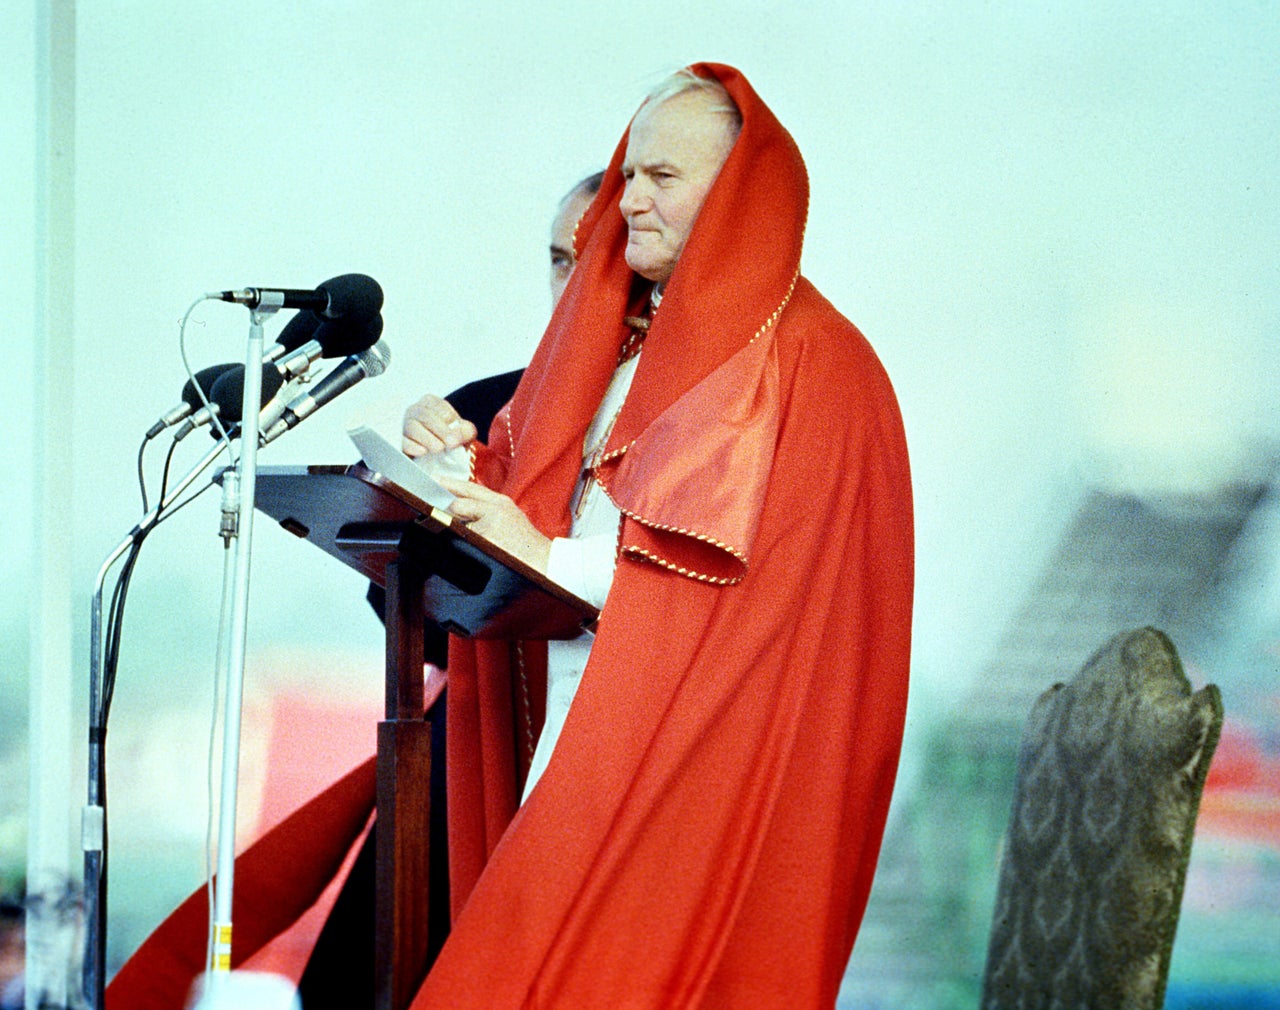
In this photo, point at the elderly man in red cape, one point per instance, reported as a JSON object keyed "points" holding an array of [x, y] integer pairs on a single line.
{"points": [[704, 830]]}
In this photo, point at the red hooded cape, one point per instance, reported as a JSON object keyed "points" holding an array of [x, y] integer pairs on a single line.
{"points": [[707, 830]]}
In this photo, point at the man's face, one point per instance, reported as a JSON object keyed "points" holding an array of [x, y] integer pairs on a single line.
{"points": [[674, 154], [562, 262]]}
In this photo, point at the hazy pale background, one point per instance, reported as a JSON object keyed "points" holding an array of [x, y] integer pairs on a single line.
{"points": [[1056, 222]]}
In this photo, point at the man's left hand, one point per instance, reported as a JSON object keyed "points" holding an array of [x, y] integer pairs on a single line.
{"points": [[497, 518]]}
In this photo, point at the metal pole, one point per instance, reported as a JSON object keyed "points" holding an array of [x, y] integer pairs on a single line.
{"points": [[246, 476]]}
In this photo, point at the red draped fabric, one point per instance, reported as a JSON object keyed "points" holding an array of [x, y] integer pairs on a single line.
{"points": [[278, 878], [707, 830]]}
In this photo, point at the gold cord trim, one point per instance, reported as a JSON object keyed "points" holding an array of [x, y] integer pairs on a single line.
{"points": [[524, 697], [616, 453], [637, 330], [786, 299], [692, 534], [658, 560], [688, 573]]}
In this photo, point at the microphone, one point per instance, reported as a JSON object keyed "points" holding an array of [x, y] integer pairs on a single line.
{"points": [[191, 402], [341, 338], [366, 364], [227, 399], [348, 295], [300, 329], [229, 392], [314, 339]]}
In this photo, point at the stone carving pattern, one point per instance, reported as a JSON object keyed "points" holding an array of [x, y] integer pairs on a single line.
{"points": [[1110, 773]]}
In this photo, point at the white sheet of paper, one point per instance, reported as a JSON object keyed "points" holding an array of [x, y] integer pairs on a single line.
{"points": [[414, 475]]}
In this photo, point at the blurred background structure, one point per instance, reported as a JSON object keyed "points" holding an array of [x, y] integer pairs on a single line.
{"points": [[1203, 567], [1058, 224]]}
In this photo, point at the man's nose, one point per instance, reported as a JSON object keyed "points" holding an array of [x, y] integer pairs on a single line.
{"points": [[635, 198]]}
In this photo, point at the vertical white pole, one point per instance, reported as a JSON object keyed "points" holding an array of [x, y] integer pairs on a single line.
{"points": [[233, 677], [50, 846]]}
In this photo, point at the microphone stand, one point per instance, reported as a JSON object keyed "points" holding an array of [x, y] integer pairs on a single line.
{"points": [[236, 524], [93, 821]]}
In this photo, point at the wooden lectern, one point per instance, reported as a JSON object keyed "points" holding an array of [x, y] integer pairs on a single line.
{"points": [[432, 567]]}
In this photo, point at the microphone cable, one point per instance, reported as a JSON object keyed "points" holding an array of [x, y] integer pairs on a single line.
{"points": [[113, 621], [142, 477], [204, 400]]}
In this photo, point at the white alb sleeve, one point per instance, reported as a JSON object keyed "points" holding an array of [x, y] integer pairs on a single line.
{"points": [[584, 565]]}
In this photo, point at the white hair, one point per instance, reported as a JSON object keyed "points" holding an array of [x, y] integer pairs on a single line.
{"points": [[682, 81]]}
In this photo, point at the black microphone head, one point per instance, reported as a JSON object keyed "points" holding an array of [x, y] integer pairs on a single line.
{"points": [[207, 378], [341, 338], [352, 296], [228, 392], [300, 329]]}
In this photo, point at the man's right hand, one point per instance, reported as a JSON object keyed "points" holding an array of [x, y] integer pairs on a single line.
{"points": [[432, 425]]}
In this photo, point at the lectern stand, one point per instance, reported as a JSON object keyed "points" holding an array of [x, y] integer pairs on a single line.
{"points": [[430, 567], [403, 798]]}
